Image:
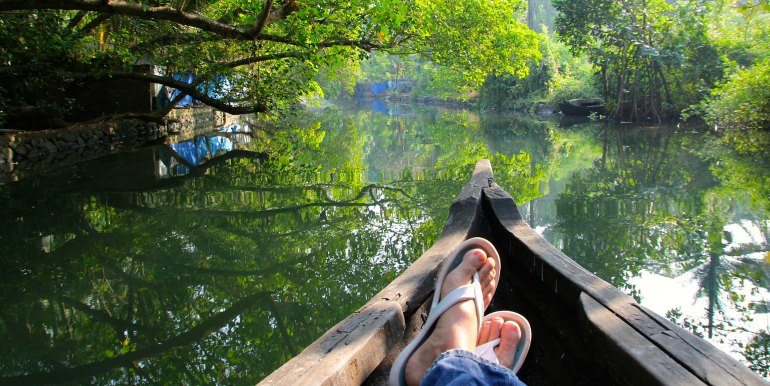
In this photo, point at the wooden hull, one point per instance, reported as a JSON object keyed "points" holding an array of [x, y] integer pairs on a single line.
{"points": [[582, 107], [584, 330]]}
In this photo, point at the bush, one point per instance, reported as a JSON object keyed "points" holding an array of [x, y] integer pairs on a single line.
{"points": [[571, 76], [557, 77], [741, 108]]}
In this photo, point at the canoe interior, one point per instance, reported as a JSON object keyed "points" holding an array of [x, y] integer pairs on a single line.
{"points": [[584, 330], [560, 353]]}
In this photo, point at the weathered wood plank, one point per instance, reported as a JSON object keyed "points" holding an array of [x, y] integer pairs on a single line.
{"points": [[348, 352], [702, 356], [628, 353]]}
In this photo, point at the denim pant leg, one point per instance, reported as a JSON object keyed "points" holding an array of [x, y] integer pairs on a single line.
{"points": [[461, 367]]}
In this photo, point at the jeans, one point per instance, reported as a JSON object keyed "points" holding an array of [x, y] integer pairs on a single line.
{"points": [[461, 367]]}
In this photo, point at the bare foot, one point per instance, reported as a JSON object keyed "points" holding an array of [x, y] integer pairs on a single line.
{"points": [[457, 327], [509, 333]]}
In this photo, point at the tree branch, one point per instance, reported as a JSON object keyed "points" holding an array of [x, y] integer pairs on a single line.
{"points": [[188, 89], [202, 329], [365, 45], [93, 24], [281, 13], [75, 21], [263, 18], [107, 8], [167, 13], [165, 40]]}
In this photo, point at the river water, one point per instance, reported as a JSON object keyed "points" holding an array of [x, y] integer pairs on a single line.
{"points": [[216, 259]]}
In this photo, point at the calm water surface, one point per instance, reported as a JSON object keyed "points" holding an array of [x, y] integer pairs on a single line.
{"points": [[216, 259]]}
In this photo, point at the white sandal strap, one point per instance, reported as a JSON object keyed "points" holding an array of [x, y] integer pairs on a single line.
{"points": [[460, 294], [487, 350]]}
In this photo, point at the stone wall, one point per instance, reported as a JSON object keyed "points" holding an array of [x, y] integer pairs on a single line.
{"points": [[24, 152], [195, 121]]}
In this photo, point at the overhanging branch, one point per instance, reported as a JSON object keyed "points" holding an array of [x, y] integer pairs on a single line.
{"points": [[189, 89], [264, 58], [167, 13], [107, 8]]}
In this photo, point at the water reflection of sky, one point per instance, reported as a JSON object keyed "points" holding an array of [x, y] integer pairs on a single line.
{"points": [[663, 293], [727, 312]]}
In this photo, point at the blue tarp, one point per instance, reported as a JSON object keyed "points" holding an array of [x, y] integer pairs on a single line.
{"points": [[229, 129], [379, 106], [167, 94], [218, 88], [378, 88], [198, 151], [188, 151]]}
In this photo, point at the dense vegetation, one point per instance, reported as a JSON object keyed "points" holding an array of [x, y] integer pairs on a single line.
{"points": [[648, 59], [655, 59], [246, 56]]}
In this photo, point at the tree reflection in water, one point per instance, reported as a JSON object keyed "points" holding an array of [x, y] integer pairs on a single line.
{"points": [[216, 259], [219, 259], [650, 213]]}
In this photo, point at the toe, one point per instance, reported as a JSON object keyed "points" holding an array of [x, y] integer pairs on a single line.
{"points": [[477, 258], [487, 274], [494, 326], [510, 335], [484, 332], [487, 271], [489, 292], [471, 263]]}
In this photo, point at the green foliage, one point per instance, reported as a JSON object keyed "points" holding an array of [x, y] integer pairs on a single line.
{"points": [[445, 67], [741, 108], [497, 42], [268, 67], [382, 67], [558, 76], [740, 31], [445, 83], [658, 58], [570, 76], [650, 66], [757, 352], [743, 176]]}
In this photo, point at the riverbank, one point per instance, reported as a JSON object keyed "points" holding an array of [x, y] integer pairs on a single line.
{"points": [[27, 152], [429, 101]]}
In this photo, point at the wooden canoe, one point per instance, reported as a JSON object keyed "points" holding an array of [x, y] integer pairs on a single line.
{"points": [[585, 331], [582, 107]]}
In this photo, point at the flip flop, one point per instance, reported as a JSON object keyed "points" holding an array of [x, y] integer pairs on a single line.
{"points": [[440, 305], [487, 350], [454, 259]]}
